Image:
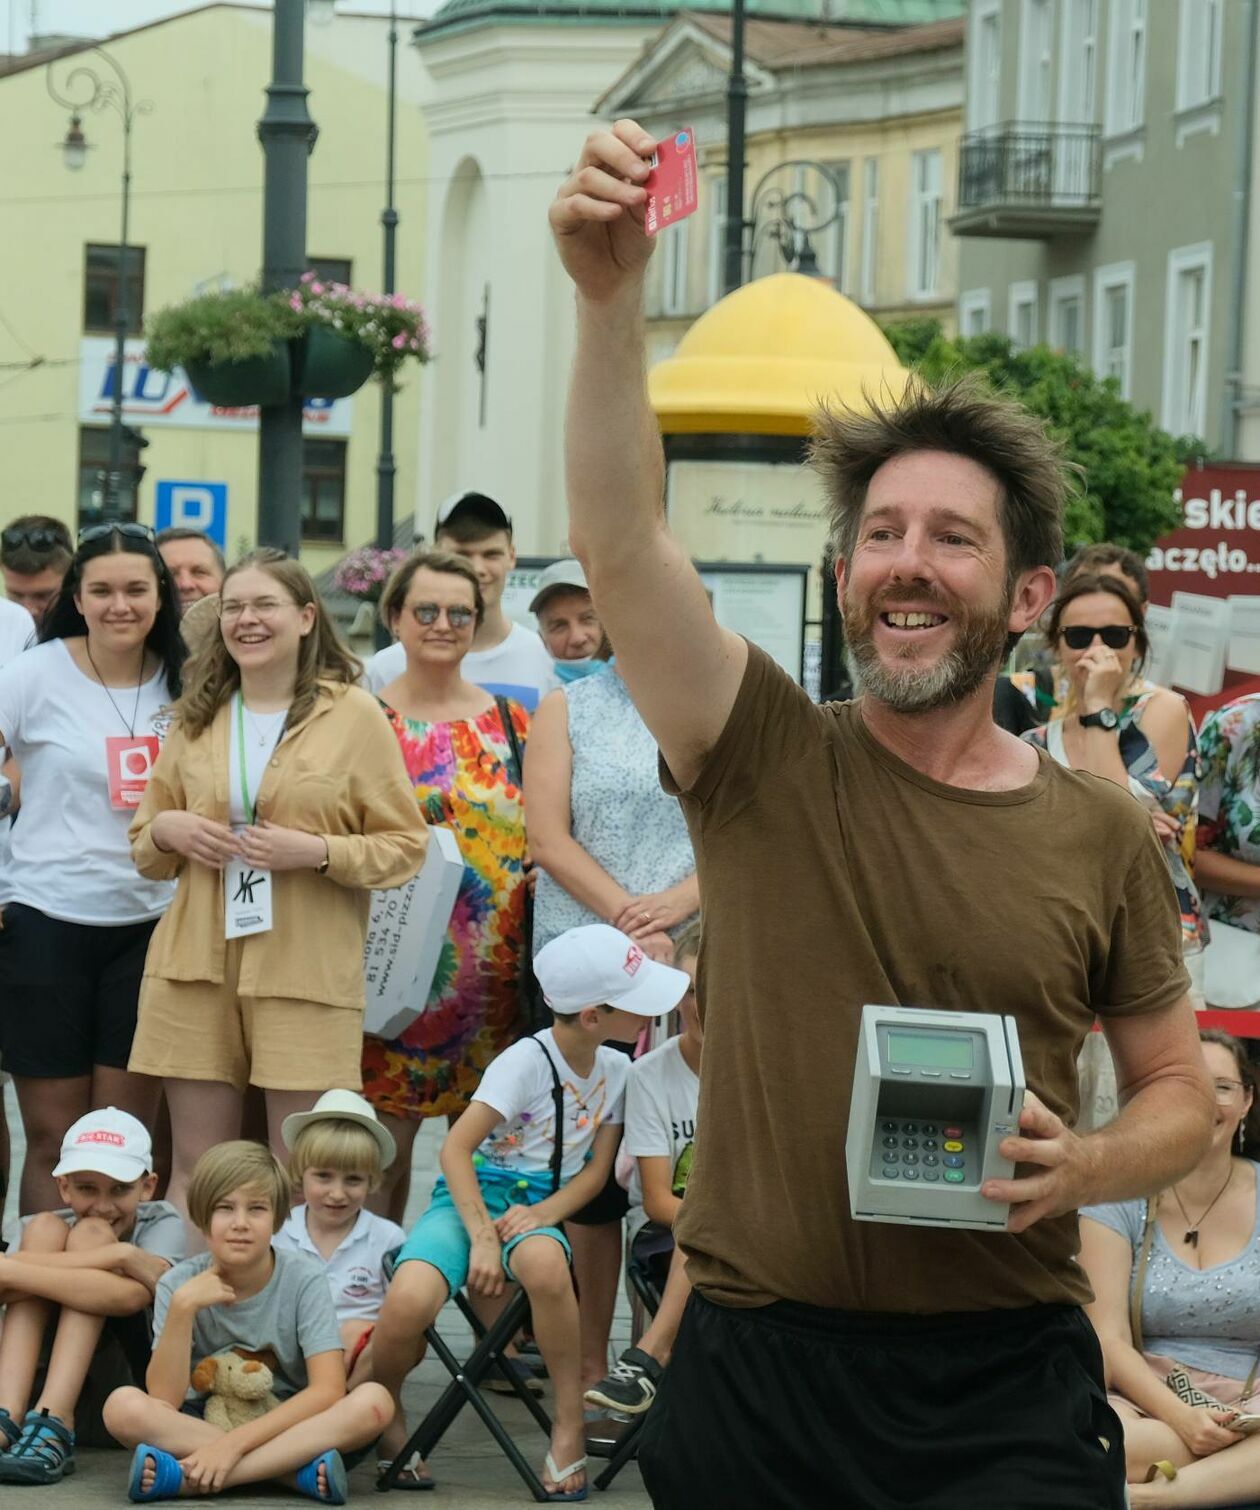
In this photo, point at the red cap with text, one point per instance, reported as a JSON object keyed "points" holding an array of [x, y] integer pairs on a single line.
{"points": [[107, 1141]]}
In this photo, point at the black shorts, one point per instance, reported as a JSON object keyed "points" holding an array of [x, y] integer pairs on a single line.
{"points": [[610, 1205], [68, 993], [790, 1407]]}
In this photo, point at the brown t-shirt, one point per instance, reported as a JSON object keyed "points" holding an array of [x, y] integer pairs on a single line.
{"points": [[833, 874]]}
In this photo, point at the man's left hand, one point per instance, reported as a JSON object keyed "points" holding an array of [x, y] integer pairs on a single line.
{"points": [[1064, 1180]]}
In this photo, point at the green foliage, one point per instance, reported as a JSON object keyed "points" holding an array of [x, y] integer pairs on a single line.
{"points": [[1129, 467], [219, 327]]}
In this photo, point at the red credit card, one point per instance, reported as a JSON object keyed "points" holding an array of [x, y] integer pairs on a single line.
{"points": [[672, 192]]}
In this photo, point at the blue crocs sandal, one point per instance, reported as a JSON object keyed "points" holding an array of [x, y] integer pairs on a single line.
{"points": [[335, 1469], [43, 1454], [558, 1476], [168, 1476]]}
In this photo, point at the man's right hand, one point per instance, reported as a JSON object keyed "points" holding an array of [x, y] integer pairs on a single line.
{"points": [[597, 217], [208, 1288]]}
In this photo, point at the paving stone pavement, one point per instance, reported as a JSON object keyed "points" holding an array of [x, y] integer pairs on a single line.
{"points": [[471, 1472]]}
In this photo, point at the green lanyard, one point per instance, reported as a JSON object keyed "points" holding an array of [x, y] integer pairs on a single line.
{"points": [[246, 801]]}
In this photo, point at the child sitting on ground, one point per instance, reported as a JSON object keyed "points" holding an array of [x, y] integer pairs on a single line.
{"points": [[99, 1259], [511, 1175], [242, 1295], [339, 1151], [661, 1098]]}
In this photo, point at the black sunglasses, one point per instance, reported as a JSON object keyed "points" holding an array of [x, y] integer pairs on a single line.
{"points": [[129, 531], [1114, 636], [36, 537]]}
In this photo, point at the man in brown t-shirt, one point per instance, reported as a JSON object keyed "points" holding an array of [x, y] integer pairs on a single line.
{"points": [[902, 849]]}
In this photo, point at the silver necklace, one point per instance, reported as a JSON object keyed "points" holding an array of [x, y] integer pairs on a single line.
{"points": [[269, 729]]}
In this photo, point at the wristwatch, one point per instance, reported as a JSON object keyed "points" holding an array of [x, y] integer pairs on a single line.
{"points": [[322, 868], [1105, 718]]}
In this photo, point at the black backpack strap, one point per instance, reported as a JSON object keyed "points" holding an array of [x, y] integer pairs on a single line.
{"points": [[557, 1096]]}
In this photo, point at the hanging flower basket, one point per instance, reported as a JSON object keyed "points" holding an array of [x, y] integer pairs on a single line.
{"points": [[363, 573], [236, 385], [389, 327], [330, 365]]}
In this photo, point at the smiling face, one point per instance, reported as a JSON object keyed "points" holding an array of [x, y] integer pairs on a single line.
{"points": [[1096, 610], [194, 566], [118, 598], [89, 1194], [569, 625], [491, 557], [1233, 1100], [242, 1224], [926, 598], [436, 594], [262, 624], [335, 1196]]}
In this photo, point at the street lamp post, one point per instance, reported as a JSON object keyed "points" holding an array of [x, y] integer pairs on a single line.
{"points": [[84, 88], [736, 110], [287, 134], [792, 202], [385, 466]]}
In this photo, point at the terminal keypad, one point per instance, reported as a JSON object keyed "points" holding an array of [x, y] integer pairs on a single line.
{"points": [[913, 1150]]}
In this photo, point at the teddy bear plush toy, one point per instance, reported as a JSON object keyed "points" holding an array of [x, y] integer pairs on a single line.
{"points": [[239, 1389]]}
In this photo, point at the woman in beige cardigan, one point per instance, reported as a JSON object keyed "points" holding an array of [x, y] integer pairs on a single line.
{"points": [[279, 801]]}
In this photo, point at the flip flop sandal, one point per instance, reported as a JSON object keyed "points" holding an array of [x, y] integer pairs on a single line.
{"points": [[168, 1476], [1162, 1469], [335, 1472], [558, 1476], [412, 1477]]}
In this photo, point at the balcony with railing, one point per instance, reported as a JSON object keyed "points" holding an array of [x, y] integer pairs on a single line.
{"points": [[1029, 181]]}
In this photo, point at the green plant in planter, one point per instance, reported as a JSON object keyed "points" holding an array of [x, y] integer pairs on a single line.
{"points": [[351, 336], [234, 346]]}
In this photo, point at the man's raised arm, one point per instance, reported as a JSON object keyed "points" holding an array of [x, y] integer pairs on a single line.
{"points": [[682, 669]]}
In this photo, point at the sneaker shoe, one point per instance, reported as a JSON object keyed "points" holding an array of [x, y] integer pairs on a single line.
{"points": [[44, 1454], [630, 1385], [498, 1385]]}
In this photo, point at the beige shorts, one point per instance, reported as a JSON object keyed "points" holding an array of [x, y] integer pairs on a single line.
{"points": [[196, 1030]]}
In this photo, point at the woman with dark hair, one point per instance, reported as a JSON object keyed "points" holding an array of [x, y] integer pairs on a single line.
{"points": [[462, 749], [1176, 1282], [1117, 725], [84, 712], [278, 802]]}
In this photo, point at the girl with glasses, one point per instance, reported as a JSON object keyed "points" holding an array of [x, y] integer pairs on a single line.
{"points": [[1176, 1281], [84, 713], [462, 747], [278, 803]]}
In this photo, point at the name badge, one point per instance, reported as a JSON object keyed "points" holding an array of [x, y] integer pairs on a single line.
{"points": [[246, 899], [129, 759]]}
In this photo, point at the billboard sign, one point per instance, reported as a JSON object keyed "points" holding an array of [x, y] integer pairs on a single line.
{"points": [[167, 400]]}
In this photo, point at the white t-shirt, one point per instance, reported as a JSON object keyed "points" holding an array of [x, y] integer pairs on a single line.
{"points": [[17, 630], [356, 1271], [661, 1099], [262, 735], [70, 857], [519, 1086], [517, 667]]}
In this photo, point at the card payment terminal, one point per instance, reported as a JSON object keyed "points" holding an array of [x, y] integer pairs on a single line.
{"points": [[934, 1094]]}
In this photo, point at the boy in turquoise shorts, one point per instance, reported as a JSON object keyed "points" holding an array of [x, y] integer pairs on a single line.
{"points": [[507, 1178]]}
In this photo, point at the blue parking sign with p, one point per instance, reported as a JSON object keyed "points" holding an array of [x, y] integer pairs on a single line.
{"points": [[193, 506]]}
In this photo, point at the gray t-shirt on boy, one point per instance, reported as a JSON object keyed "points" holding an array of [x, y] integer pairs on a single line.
{"points": [[158, 1229], [292, 1316]]}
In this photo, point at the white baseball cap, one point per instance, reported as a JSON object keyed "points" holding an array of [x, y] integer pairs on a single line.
{"points": [[600, 966], [341, 1106], [109, 1142], [567, 573]]}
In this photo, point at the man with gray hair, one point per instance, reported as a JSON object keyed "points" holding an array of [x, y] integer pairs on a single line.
{"points": [[902, 850]]}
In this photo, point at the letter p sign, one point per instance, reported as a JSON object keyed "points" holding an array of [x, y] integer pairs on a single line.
{"points": [[193, 506]]}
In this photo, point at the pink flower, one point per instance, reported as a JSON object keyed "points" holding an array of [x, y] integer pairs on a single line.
{"points": [[399, 341]]}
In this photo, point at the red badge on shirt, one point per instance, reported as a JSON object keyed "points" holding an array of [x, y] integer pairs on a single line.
{"points": [[129, 760]]}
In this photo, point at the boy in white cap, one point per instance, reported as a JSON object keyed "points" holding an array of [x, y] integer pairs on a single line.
{"points": [[338, 1153], [99, 1259], [511, 1175]]}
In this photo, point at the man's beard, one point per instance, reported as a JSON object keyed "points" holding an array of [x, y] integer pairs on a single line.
{"points": [[979, 645]]}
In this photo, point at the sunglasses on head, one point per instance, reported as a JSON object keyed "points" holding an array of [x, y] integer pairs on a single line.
{"points": [[1114, 636], [91, 532], [36, 537]]}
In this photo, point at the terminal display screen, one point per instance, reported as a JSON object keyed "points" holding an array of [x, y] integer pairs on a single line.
{"points": [[947, 1051]]}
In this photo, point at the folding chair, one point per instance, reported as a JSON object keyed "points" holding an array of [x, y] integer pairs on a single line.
{"points": [[464, 1389], [626, 1444]]}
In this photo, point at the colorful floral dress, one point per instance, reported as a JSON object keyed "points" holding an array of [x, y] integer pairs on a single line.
{"points": [[1178, 797], [465, 779], [1229, 799]]}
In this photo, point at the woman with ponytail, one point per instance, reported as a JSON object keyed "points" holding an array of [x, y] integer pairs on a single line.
{"points": [[279, 802]]}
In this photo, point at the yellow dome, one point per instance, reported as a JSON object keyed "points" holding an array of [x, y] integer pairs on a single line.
{"points": [[762, 358]]}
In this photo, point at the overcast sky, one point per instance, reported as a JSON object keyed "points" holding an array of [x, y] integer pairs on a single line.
{"points": [[100, 18]]}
